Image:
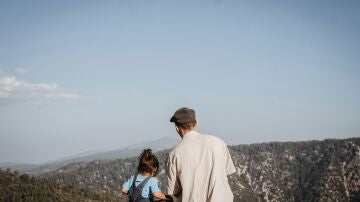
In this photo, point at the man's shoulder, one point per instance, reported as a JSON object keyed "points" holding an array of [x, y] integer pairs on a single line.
{"points": [[200, 139], [173, 151], [212, 138], [178, 148]]}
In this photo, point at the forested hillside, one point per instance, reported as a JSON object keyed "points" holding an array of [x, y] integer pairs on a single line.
{"points": [[302, 171], [16, 187], [326, 170]]}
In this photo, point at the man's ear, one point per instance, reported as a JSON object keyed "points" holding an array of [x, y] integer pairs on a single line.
{"points": [[178, 131]]}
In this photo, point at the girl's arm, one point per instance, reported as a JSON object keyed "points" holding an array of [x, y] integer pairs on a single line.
{"points": [[126, 186], [123, 190], [159, 195]]}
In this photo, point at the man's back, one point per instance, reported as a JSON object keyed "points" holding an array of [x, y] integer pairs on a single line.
{"points": [[198, 167]]}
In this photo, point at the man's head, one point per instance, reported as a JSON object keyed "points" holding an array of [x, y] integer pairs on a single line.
{"points": [[184, 119]]}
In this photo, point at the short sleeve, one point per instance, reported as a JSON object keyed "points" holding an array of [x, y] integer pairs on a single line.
{"points": [[173, 183], [128, 183], [154, 185], [230, 168]]}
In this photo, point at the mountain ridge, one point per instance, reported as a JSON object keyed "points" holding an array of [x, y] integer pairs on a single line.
{"points": [[123, 152], [326, 170]]}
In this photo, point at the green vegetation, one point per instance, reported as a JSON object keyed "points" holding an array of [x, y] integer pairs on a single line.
{"points": [[16, 187]]}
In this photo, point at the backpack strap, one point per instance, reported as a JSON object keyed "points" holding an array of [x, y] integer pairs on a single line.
{"points": [[133, 182], [143, 183]]}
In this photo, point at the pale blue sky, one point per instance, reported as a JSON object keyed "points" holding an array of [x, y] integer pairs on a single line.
{"points": [[88, 75]]}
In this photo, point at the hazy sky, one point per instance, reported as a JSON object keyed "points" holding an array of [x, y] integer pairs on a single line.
{"points": [[89, 75]]}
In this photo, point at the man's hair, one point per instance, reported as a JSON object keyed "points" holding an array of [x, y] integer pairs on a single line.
{"points": [[148, 162], [186, 126]]}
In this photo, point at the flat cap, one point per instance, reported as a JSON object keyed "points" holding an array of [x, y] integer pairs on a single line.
{"points": [[183, 115]]}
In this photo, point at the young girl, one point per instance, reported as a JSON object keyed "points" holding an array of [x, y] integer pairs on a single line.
{"points": [[145, 184]]}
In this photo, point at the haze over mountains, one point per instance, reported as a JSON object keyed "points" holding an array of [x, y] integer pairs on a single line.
{"points": [[124, 152]]}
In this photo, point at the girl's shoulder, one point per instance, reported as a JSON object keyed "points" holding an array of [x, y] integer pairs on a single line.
{"points": [[153, 180], [140, 177]]}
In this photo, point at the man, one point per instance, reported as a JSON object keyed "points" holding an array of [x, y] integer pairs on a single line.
{"points": [[197, 168]]}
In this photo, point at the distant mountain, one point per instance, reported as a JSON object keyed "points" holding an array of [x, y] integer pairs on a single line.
{"points": [[22, 167], [128, 151], [326, 170], [133, 150]]}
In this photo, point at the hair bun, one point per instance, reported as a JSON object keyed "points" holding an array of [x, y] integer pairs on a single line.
{"points": [[145, 153]]}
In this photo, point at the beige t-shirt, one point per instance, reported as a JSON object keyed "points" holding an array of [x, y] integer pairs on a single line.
{"points": [[197, 169]]}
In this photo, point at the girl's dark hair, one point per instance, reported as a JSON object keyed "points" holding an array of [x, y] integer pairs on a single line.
{"points": [[148, 162]]}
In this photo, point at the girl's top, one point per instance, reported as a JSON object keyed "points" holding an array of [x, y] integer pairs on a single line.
{"points": [[150, 187]]}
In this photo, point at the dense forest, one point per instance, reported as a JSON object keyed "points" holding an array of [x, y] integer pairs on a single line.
{"points": [[22, 187]]}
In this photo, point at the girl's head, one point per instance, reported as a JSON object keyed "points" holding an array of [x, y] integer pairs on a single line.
{"points": [[148, 162]]}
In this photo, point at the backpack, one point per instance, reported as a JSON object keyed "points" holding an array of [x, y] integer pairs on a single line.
{"points": [[135, 192]]}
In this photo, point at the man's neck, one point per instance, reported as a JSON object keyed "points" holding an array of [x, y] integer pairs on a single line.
{"points": [[187, 133]]}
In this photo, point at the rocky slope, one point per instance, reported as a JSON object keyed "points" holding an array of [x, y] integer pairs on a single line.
{"points": [[326, 170]]}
